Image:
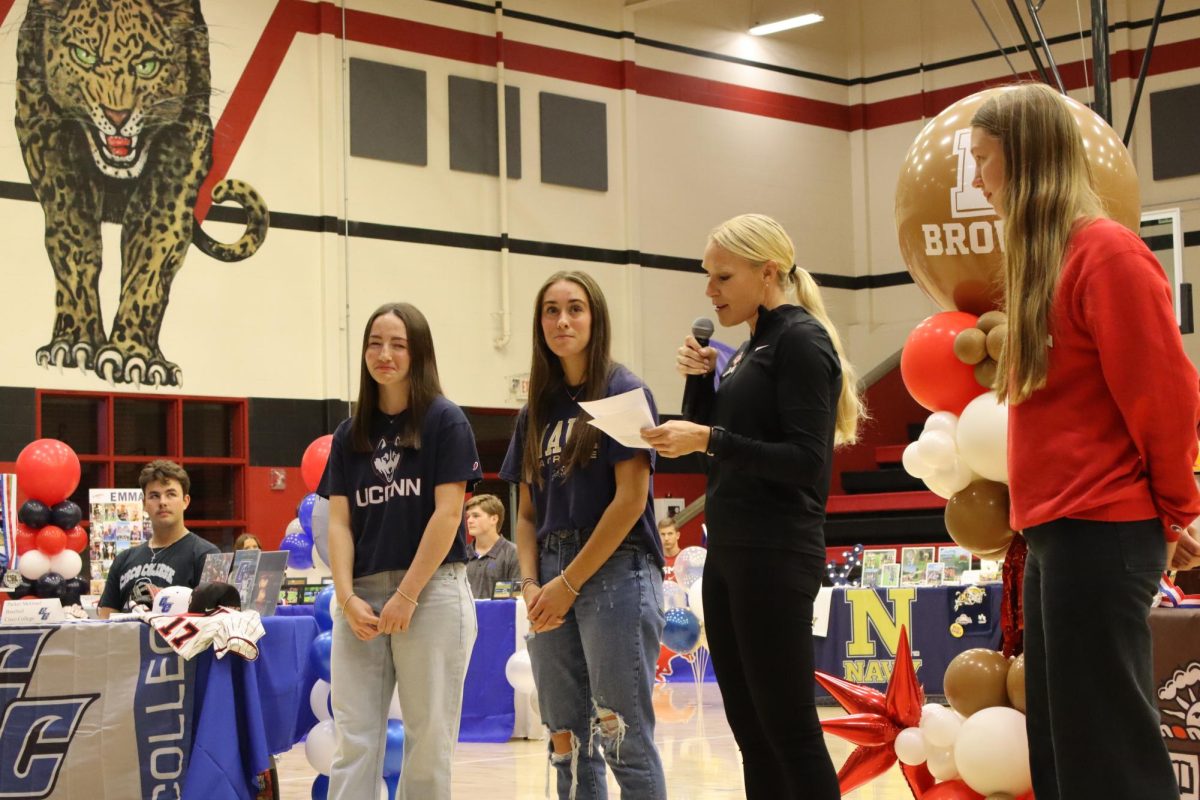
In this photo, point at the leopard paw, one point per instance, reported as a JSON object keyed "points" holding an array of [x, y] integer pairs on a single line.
{"points": [[64, 353], [55, 354], [116, 366]]}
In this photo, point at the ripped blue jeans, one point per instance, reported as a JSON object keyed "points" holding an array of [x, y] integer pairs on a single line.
{"points": [[595, 673]]}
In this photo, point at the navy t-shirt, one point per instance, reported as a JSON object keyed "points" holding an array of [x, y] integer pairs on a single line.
{"points": [[577, 501], [390, 489]]}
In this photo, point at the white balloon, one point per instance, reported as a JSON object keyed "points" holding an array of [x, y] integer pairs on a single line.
{"points": [[674, 595], [937, 449], [383, 790], [954, 478], [942, 421], [983, 437], [938, 488], [689, 565], [940, 726], [910, 747], [34, 565], [320, 746], [68, 564], [394, 706], [912, 462], [696, 599], [992, 752], [318, 700], [941, 763], [172, 600], [293, 527], [519, 671]]}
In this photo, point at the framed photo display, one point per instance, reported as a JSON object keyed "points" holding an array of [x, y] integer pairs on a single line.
{"points": [[913, 561]]}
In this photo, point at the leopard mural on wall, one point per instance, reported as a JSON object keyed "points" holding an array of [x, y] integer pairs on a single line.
{"points": [[112, 118]]}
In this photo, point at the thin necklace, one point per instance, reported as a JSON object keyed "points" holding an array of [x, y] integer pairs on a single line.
{"points": [[154, 554], [575, 394]]}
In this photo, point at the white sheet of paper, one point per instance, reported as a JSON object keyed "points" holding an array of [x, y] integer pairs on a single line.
{"points": [[622, 416]]}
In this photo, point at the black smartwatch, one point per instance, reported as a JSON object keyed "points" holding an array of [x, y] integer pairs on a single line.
{"points": [[715, 433]]}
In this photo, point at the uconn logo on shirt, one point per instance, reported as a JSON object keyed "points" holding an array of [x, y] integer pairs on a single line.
{"points": [[35, 733], [387, 456]]}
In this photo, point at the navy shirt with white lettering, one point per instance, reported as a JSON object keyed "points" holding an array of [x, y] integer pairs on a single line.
{"points": [[390, 489], [135, 570], [577, 501]]}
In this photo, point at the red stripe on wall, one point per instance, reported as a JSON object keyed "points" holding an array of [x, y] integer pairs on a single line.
{"points": [[552, 63], [5, 7], [296, 16], [732, 97], [418, 37], [288, 18]]}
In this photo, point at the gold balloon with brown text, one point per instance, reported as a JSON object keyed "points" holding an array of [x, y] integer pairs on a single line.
{"points": [[950, 237]]}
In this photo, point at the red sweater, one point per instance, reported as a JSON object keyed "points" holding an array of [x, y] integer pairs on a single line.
{"points": [[1112, 436]]}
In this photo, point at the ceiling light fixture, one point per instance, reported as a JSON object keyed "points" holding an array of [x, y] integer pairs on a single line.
{"points": [[786, 24]]}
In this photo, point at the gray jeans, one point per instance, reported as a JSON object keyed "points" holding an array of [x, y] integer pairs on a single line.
{"points": [[426, 664]]}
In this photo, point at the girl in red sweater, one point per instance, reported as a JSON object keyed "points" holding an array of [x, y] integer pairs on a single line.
{"points": [[1103, 406]]}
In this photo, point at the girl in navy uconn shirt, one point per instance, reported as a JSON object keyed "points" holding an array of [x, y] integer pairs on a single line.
{"points": [[591, 559], [397, 475]]}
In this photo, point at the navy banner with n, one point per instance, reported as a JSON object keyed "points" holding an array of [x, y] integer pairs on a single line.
{"points": [[942, 621]]}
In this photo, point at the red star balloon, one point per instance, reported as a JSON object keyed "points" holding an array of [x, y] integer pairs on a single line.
{"points": [[875, 719]]}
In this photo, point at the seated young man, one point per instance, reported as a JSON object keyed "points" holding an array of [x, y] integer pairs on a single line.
{"points": [[492, 557]]}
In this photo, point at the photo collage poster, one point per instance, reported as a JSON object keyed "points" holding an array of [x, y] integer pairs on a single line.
{"points": [[119, 522]]}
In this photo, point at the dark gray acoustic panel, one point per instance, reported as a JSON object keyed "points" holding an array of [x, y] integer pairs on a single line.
{"points": [[574, 142], [1175, 132], [18, 423], [388, 112], [474, 130]]}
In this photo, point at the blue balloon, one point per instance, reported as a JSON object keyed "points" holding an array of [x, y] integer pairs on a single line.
{"points": [[681, 633], [393, 756], [393, 782], [320, 653], [320, 788], [304, 512], [299, 549], [322, 609]]}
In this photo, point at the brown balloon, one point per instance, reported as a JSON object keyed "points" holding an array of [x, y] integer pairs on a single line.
{"points": [[970, 346], [995, 340], [977, 517], [950, 237], [985, 373], [1016, 683], [990, 320], [976, 679]]}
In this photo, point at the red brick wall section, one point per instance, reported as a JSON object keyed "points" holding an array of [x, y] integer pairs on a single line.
{"points": [[892, 410]]}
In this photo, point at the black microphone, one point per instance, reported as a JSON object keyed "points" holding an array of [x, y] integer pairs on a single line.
{"points": [[694, 387]]}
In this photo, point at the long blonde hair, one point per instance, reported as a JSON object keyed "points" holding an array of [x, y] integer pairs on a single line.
{"points": [[760, 239], [1048, 191]]}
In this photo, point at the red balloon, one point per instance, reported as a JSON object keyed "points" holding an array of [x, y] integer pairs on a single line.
{"points": [[864, 764], [48, 470], [51, 540], [854, 698], [932, 373], [312, 466], [872, 730], [904, 695], [952, 790], [26, 539], [918, 777], [77, 539]]}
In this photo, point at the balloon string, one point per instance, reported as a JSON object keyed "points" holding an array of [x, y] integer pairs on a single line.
{"points": [[1012, 621]]}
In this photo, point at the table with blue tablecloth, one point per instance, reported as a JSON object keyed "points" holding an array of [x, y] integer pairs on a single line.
{"points": [[246, 711], [942, 621], [108, 711]]}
